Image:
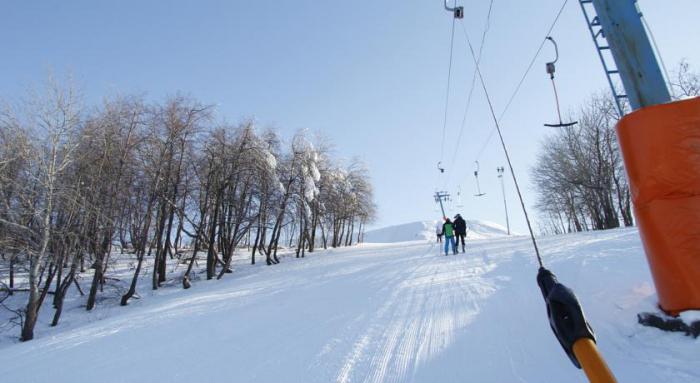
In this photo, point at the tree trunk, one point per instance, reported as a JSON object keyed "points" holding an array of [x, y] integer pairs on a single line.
{"points": [[142, 243], [186, 278], [12, 273], [99, 268], [160, 248], [314, 225], [31, 312], [47, 285], [61, 292], [211, 253]]}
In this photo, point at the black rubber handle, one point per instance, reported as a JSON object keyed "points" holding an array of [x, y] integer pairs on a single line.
{"points": [[566, 317]]}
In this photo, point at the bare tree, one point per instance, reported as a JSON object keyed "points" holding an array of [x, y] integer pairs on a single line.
{"points": [[579, 173], [686, 82], [51, 121]]}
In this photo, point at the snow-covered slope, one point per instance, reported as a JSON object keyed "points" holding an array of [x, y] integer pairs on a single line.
{"points": [[373, 313], [425, 230], [485, 230], [414, 231]]}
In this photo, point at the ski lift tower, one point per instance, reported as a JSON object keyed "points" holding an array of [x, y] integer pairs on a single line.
{"points": [[442, 196], [500, 171], [659, 146]]}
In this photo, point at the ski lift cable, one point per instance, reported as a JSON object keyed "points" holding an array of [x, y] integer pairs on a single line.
{"points": [[503, 145], [658, 53], [564, 311], [522, 79], [510, 100], [487, 26], [447, 92]]}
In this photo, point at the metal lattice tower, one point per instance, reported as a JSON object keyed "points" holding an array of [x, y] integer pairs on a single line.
{"points": [[603, 49], [442, 196], [625, 52]]}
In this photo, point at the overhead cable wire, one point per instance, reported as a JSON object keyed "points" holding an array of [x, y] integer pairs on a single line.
{"points": [[447, 93], [503, 144], [447, 102], [487, 25], [658, 54], [522, 79]]}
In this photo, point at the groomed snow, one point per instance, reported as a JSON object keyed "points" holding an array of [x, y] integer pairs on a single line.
{"points": [[372, 313]]}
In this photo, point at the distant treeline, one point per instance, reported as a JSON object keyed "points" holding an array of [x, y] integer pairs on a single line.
{"points": [[159, 181]]}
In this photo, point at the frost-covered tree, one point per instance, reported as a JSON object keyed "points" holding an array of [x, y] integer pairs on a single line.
{"points": [[160, 184]]}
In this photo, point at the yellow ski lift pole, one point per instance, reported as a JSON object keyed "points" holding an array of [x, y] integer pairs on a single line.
{"points": [[592, 362]]}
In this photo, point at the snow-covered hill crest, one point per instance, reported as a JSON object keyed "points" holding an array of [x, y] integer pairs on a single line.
{"points": [[425, 230]]}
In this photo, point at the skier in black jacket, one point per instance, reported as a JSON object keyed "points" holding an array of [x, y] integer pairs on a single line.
{"points": [[460, 231]]}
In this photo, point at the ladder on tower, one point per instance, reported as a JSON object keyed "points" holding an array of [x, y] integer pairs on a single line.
{"points": [[602, 46]]}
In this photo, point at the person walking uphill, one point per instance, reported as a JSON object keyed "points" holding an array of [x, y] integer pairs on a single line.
{"points": [[449, 232], [438, 231], [460, 226]]}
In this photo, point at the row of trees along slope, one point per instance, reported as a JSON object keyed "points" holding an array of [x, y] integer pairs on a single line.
{"points": [[158, 181], [579, 173]]}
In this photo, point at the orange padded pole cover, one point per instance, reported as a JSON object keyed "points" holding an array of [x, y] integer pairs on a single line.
{"points": [[661, 149]]}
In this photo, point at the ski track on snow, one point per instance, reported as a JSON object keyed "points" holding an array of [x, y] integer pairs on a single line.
{"points": [[373, 313]]}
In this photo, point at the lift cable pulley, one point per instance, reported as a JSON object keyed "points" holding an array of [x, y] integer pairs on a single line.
{"points": [[551, 68], [440, 168], [458, 12]]}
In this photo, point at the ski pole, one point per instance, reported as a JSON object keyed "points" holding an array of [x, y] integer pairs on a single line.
{"points": [[573, 332]]}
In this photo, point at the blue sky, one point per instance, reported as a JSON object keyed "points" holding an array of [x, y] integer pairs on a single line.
{"points": [[370, 75]]}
